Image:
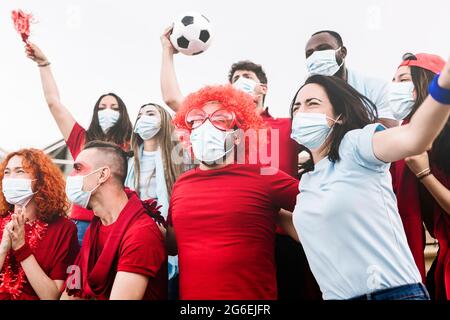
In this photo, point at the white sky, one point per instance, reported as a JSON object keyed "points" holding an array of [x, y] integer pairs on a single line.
{"points": [[99, 46]]}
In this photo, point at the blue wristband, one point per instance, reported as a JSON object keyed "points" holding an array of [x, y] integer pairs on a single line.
{"points": [[439, 94]]}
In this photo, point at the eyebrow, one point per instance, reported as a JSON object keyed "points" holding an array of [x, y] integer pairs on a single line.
{"points": [[15, 168], [404, 74], [310, 99]]}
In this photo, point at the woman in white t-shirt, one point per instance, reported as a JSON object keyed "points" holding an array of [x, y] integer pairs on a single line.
{"points": [[154, 168], [346, 215]]}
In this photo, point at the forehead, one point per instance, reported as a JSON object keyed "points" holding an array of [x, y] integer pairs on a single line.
{"points": [[210, 107], [312, 90], [15, 162], [247, 73], [108, 100], [87, 157], [148, 108], [321, 39], [403, 70]]}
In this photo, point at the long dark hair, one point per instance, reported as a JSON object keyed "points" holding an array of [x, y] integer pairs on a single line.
{"points": [[356, 110], [120, 133], [440, 151]]}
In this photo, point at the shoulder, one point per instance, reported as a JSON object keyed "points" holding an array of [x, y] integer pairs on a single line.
{"points": [[63, 224], [143, 229]]}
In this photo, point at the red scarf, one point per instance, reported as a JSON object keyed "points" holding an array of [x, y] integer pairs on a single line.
{"points": [[98, 273], [12, 277]]}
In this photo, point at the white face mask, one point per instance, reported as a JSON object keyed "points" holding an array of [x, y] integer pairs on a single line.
{"points": [[74, 190], [17, 191], [208, 143], [311, 129], [401, 98], [246, 85], [323, 63], [108, 118], [147, 127]]}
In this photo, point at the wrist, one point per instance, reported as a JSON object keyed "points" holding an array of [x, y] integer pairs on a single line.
{"points": [[439, 89], [23, 252], [43, 64]]}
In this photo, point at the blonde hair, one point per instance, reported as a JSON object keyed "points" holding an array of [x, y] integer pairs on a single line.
{"points": [[171, 170]]}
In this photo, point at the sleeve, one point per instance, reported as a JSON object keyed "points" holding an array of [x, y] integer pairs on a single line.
{"points": [[143, 251], [362, 144], [380, 98], [66, 252], [76, 140], [283, 191]]}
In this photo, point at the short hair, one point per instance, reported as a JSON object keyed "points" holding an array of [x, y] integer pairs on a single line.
{"points": [[334, 34], [115, 155], [248, 65]]}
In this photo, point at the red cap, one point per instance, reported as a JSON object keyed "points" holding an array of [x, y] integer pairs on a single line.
{"points": [[431, 62]]}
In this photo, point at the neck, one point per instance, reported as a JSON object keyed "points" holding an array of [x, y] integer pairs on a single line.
{"points": [[108, 203], [319, 154], [260, 106], [151, 145], [342, 73]]}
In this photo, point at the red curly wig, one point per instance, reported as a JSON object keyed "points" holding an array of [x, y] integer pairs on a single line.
{"points": [[50, 197], [230, 98]]}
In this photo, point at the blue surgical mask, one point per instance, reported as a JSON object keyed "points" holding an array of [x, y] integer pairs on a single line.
{"points": [[74, 190], [17, 191], [401, 98], [107, 118], [147, 127], [323, 62], [208, 143], [246, 85], [311, 129]]}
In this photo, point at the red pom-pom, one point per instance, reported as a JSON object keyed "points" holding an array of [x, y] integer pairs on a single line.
{"points": [[22, 22]]}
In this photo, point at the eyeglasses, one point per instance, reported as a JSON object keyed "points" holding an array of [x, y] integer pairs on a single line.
{"points": [[221, 119]]}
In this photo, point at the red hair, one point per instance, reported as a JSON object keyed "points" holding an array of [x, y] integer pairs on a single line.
{"points": [[50, 196], [230, 98]]}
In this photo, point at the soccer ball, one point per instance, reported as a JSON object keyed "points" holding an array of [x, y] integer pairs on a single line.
{"points": [[191, 34]]}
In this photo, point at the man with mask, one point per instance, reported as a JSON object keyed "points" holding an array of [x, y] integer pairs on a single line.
{"points": [[279, 151], [325, 55], [122, 255], [223, 213]]}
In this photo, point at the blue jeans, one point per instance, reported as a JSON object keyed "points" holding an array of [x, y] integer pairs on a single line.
{"points": [[415, 291], [81, 227]]}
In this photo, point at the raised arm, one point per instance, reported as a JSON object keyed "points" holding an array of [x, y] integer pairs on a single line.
{"points": [[169, 84], [61, 114], [417, 136]]}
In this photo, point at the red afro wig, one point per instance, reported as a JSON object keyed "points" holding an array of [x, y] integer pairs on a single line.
{"points": [[230, 98]]}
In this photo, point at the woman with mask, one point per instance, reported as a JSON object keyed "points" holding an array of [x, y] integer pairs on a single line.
{"points": [[110, 122], [38, 242], [421, 183], [152, 171], [346, 213]]}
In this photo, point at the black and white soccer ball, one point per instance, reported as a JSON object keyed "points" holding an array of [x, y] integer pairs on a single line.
{"points": [[191, 34]]}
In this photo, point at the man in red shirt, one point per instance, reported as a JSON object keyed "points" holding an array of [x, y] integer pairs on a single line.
{"points": [[294, 278], [223, 213], [122, 255]]}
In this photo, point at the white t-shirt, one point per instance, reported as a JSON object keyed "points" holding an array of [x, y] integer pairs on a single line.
{"points": [[148, 165], [348, 222], [374, 89]]}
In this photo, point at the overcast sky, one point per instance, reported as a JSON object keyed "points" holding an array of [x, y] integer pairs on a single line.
{"points": [[99, 46]]}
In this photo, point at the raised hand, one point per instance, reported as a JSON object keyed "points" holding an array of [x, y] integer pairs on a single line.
{"points": [[165, 41], [444, 78], [34, 53]]}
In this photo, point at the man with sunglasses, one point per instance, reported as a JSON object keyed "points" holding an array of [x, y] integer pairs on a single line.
{"points": [[223, 213], [294, 278]]}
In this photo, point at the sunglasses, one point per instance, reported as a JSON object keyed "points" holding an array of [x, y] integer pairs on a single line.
{"points": [[221, 119]]}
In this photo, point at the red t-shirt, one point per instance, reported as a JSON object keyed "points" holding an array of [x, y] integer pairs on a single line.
{"points": [[224, 223], [55, 252], [141, 251], [75, 143], [288, 149]]}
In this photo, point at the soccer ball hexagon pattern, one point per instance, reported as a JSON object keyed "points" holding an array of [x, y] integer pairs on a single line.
{"points": [[191, 34]]}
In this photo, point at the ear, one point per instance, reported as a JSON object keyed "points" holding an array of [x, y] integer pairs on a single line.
{"points": [[263, 88], [344, 52], [105, 173]]}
